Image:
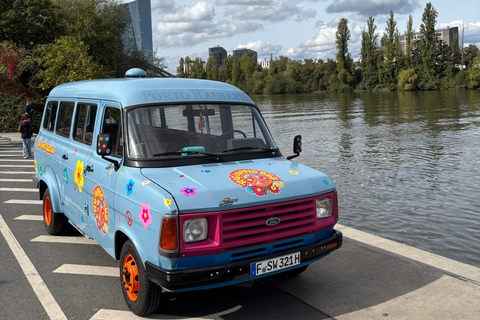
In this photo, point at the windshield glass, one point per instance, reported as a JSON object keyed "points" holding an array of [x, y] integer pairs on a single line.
{"points": [[195, 130]]}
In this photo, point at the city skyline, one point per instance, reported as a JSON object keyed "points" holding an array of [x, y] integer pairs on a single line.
{"points": [[296, 29]]}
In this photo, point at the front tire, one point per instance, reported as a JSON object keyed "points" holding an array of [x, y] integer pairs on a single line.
{"points": [[141, 295], [54, 222]]}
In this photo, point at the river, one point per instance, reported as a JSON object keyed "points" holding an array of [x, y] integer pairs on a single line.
{"points": [[406, 164]]}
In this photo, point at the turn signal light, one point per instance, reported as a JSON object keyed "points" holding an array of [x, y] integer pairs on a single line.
{"points": [[168, 236]]}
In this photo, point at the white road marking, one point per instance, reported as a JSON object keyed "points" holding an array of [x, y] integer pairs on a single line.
{"points": [[30, 217], [17, 172], [20, 157], [21, 201], [20, 189], [39, 287], [461, 269], [16, 165], [16, 180], [10, 150], [109, 314], [69, 240], [17, 160], [88, 270]]}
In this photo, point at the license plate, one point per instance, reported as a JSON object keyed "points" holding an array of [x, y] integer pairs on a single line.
{"points": [[275, 264]]}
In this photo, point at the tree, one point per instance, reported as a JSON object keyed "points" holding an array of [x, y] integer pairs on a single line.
{"points": [[99, 24], [409, 42], [471, 53], [428, 48], [474, 73], [407, 80], [67, 60], [344, 61], [369, 55], [391, 61], [29, 22]]}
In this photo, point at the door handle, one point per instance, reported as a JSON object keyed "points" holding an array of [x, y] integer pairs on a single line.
{"points": [[89, 168], [65, 157]]}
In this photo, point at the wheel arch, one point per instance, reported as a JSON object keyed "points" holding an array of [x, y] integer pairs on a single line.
{"points": [[48, 180]]}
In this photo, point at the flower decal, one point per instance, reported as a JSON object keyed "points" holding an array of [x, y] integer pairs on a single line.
{"points": [[189, 192], [129, 187], [36, 167], [144, 215], [293, 172], [256, 182], [100, 209], [167, 202], [79, 175], [65, 175]]}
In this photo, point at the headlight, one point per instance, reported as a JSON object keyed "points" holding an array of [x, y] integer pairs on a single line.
{"points": [[324, 208], [195, 230]]}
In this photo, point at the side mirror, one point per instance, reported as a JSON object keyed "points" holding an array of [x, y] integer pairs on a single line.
{"points": [[297, 147], [104, 144]]}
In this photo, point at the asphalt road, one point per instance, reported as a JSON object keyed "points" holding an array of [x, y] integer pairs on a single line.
{"points": [[68, 277]]}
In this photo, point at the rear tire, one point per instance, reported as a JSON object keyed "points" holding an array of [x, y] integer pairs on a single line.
{"points": [[141, 295], [54, 222]]}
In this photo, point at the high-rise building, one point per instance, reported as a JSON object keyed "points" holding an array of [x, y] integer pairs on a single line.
{"points": [[240, 52], [217, 53], [139, 29], [447, 35]]}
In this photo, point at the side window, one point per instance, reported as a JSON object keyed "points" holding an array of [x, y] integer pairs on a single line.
{"points": [[50, 116], [64, 122], [84, 122], [112, 123]]}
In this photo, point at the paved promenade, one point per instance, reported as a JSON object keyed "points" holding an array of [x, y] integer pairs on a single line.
{"points": [[374, 278]]}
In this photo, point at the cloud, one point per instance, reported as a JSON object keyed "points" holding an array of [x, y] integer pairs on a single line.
{"points": [[272, 11], [262, 48], [372, 8], [201, 11], [184, 34], [323, 44], [471, 34], [162, 6]]}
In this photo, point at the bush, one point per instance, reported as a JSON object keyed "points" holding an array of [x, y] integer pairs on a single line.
{"points": [[11, 109]]}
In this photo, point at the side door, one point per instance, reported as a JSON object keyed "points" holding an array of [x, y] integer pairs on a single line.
{"points": [[75, 157], [101, 176]]}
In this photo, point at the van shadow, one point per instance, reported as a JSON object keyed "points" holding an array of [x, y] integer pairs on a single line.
{"points": [[355, 277]]}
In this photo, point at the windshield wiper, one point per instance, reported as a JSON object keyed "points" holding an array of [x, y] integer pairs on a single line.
{"points": [[186, 152], [251, 148]]}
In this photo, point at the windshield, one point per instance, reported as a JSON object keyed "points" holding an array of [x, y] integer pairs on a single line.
{"points": [[195, 130]]}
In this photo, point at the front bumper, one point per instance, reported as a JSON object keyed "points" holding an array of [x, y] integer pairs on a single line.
{"points": [[221, 275]]}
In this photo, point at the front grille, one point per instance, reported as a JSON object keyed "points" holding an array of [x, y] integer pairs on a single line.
{"points": [[243, 228]]}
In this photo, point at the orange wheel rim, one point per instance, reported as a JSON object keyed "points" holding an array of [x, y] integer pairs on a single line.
{"points": [[130, 277], [47, 211]]}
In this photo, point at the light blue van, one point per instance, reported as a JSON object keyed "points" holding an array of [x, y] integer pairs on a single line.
{"points": [[181, 181]]}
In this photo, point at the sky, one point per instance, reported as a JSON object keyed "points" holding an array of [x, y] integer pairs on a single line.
{"points": [[297, 29]]}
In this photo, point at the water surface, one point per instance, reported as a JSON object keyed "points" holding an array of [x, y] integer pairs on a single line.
{"points": [[405, 163]]}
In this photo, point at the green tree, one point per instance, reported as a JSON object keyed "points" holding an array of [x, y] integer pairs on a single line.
{"points": [[428, 45], [29, 22], [392, 55], [474, 73], [344, 61], [471, 52], [409, 44], [369, 55], [407, 80], [99, 24], [67, 60]]}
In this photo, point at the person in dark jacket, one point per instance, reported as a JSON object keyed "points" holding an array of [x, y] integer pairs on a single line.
{"points": [[28, 109], [26, 131]]}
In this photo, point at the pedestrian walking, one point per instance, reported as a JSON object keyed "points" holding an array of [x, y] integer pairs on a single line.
{"points": [[26, 131], [28, 109]]}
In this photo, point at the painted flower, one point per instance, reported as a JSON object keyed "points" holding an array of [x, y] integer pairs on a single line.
{"points": [[259, 191], [293, 172], [65, 175], [144, 215], [129, 187], [79, 175], [189, 192], [167, 202]]}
